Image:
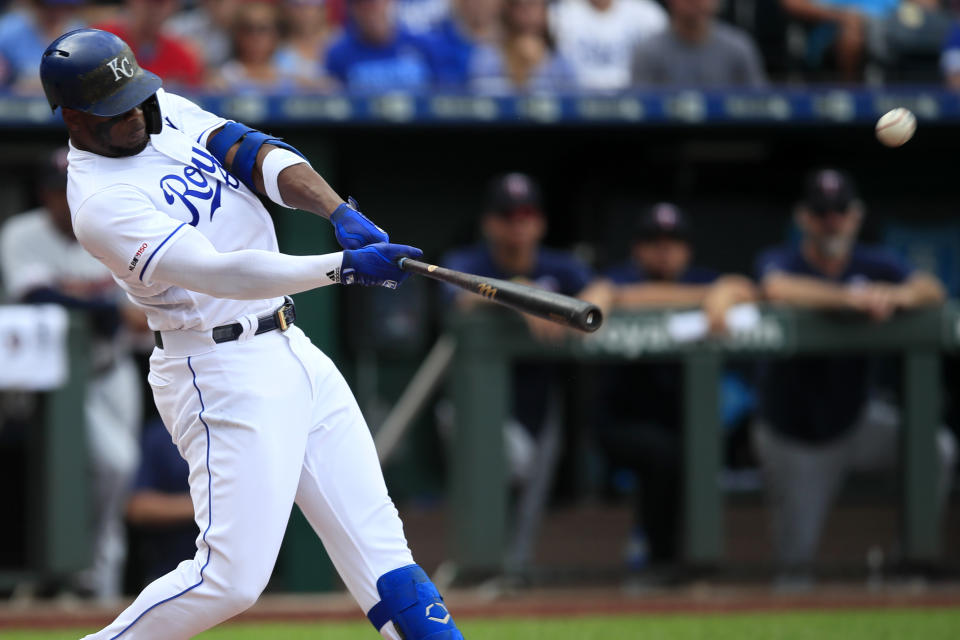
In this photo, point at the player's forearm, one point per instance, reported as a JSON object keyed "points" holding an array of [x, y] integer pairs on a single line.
{"points": [[157, 508], [600, 292], [805, 292], [922, 290], [659, 294]]}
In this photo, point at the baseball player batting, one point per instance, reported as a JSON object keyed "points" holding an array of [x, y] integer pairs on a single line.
{"points": [[165, 195]]}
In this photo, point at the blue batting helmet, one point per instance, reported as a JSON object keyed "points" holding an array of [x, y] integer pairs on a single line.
{"points": [[96, 72]]}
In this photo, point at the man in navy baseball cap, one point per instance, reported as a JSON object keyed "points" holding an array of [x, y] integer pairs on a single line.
{"points": [[829, 191], [640, 424], [819, 415], [514, 193]]}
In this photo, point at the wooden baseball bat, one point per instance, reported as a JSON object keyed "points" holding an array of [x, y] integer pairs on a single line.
{"points": [[545, 304]]}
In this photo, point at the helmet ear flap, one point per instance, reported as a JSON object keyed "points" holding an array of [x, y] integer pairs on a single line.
{"points": [[151, 114]]}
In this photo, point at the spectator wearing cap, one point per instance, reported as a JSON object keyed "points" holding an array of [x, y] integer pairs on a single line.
{"points": [[142, 25], [640, 425], [375, 54], [697, 50], [818, 417], [25, 32], [42, 263], [513, 224]]}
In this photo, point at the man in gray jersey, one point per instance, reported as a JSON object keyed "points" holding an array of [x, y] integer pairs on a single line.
{"points": [[41, 262], [697, 50]]}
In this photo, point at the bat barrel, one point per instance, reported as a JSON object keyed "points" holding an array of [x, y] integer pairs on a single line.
{"points": [[572, 312]]}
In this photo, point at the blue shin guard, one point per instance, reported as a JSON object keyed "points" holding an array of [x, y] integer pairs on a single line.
{"points": [[410, 600]]}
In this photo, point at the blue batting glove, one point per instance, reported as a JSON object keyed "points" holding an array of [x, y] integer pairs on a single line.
{"points": [[375, 265], [353, 229]]}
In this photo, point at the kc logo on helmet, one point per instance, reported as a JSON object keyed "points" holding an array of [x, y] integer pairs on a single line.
{"points": [[120, 66]]}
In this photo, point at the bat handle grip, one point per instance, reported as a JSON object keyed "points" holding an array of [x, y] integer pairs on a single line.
{"points": [[400, 262]]}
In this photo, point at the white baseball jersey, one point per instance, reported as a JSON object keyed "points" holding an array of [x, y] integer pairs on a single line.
{"points": [[599, 44], [129, 211]]}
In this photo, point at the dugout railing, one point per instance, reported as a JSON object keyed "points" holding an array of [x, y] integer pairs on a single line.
{"points": [[488, 342], [57, 531]]}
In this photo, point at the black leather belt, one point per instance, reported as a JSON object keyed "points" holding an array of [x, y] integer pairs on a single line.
{"points": [[281, 319]]}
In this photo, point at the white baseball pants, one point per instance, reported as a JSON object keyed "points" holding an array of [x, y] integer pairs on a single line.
{"points": [[264, 422]]}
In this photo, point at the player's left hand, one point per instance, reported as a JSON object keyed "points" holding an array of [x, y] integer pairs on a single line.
{"points": [[353, 229], [376, 265]]}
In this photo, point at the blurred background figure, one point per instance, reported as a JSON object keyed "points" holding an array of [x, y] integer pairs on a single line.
{"points": [[819, 418], [25, 32], [471, 24], [160, 509], [906, 45], [42, 262], [842, 34], [375, 54], [697, 50], [513, 225], [422, 16], [526, 58], [206, 27], [142, 24], [598, 37], [950, 58], [302, 55], [255, 38], [640, 422]]}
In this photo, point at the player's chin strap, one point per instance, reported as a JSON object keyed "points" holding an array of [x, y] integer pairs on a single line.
{"points": [[410, 600], [246, 157]]}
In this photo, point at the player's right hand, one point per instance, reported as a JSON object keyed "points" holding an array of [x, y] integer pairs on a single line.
{"points": [[376, 265], [353, 229]]}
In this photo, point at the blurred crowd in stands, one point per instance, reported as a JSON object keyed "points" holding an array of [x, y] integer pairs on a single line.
{"points": [[500, 46]]}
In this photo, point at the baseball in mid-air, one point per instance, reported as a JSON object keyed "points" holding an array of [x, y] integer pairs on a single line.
{"points": [[896, 126]]}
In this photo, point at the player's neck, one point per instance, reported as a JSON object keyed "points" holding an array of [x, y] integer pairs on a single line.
{"points": [[829, 265], [515, 261], [694, 29]]}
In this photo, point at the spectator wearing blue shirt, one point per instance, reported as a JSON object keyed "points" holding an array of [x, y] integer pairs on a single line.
{"points": [[526, 59], [374, 54], [817, 417], [472, 23], [640, 422], [513, 226], [25, 33], [160, 507]]}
